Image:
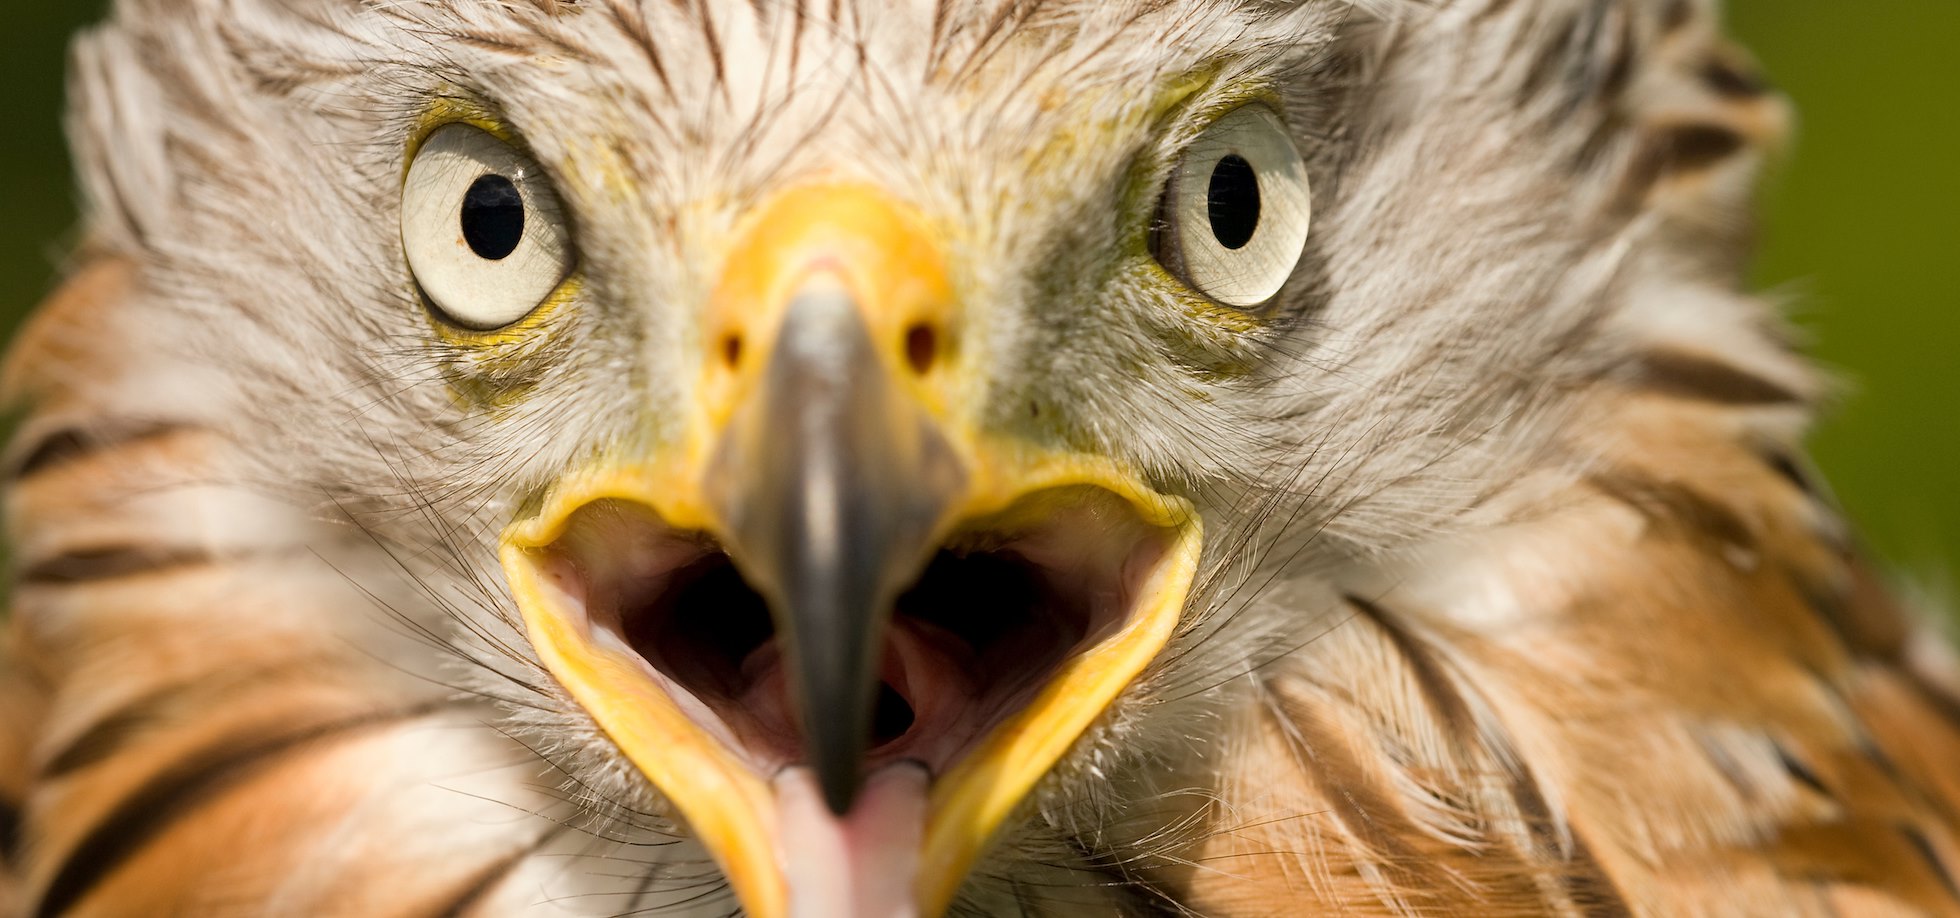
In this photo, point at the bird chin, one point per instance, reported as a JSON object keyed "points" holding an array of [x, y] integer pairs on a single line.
{"points": [[1025, 623]]}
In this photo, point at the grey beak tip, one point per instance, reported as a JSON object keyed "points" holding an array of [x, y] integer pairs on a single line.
{"points": [[840, 786], [831, 488]]}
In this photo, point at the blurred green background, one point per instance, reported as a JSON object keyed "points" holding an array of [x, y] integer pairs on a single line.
{"points": [[1863, 231]]}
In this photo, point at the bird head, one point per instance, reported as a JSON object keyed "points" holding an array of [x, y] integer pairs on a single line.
{"points": [[856, 429], [851, 574]]}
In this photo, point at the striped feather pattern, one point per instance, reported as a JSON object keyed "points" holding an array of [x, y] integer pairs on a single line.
{"points": [[1647, 699], [280, 764], [1533, 607]]}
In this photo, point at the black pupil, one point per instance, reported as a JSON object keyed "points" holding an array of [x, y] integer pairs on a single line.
{"points": [[493, 217], [1233, 202]]}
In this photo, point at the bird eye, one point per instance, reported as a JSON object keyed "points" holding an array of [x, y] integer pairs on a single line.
{"points": [[484, 232], [1234, 217]]}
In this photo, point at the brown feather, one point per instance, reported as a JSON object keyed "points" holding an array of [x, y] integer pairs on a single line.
{"points": [[1650, 677], [168, 785]]}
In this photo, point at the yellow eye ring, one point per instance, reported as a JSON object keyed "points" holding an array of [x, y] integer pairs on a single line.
{"points": [[1234, 217], [483, 230]]}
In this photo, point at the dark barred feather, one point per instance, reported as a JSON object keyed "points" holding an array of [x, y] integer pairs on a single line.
{"points": [[1519, 599]]}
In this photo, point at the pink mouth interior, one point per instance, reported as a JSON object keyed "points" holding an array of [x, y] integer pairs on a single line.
{"points": [[986, 625]]}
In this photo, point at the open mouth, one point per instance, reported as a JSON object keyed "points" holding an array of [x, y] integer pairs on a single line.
{"points": [[841, 620], [1005, 636], [999, 608]]}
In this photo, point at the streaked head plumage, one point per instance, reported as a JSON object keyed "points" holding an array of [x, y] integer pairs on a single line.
{"points": [[1451, 249]]}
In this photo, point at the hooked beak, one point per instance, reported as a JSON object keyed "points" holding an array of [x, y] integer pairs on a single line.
{"points": [[840, 626], [830, 491]]}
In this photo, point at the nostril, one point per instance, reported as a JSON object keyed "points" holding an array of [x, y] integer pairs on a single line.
{"points": [[731, 351], [921, 347]]}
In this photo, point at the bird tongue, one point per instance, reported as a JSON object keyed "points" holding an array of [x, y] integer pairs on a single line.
{"points": [[861, 864], [925, 667]]}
